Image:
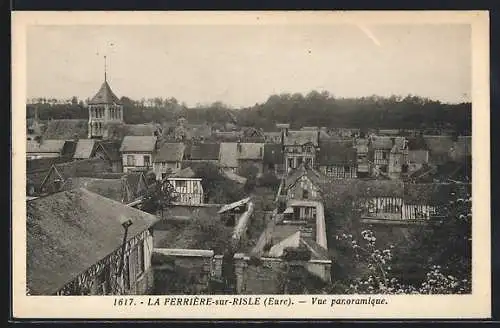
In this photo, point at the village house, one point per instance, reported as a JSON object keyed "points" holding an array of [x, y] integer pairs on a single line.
{"points": [[389, 155], [302, 184], [168, 159], [337, 160], [37, 170], [299, 147], [107, 251], [421, 200], [250, 154], [187, 187], [62, 173], [134, 185], [381, 199], [137, 153], [109, 150], [203, 152], [228, 156], [48, 148], [274, 159]]}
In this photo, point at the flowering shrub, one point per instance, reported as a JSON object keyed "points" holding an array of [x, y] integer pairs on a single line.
{"points": [[381, 280]]}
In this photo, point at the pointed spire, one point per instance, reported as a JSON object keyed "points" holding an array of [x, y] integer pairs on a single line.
{"points": [[105, 77]]}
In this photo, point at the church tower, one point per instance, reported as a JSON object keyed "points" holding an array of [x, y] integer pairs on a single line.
{"points": [[104, 108]]}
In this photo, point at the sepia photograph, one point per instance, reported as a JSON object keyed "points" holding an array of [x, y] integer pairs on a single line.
{"points": [[248, 157]]}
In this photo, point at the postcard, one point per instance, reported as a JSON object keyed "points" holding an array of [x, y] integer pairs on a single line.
{"points": [[261, 165]]}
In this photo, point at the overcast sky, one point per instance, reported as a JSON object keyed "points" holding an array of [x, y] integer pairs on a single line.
{"points": [[243, 65]]}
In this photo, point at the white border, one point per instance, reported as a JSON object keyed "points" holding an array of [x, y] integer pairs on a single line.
{"points": [[476, 305]]}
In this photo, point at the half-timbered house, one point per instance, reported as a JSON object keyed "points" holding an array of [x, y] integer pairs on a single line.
{"points": [[107, 251], [337, 160]]}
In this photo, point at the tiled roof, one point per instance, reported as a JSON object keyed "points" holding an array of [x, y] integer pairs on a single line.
{"points": [[112, 149], [301, 138], [170, 152], [40, 164], [198, 131], [273, 154], [247, 150], [362, 188], [138, 144], [104, 96], [47, 146], [68, 232], [383, 142], [228, 154], [335, 153], [205, 151], [119, 131], [82, 168], [426, 193], [84, 148], [66, 129], [109, 188]]}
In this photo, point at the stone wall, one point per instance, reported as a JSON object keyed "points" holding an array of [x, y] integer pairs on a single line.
{"points": [[189, 272]]}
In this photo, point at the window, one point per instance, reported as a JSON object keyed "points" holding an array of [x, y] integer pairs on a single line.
{"points": [[347, 169], [305, 193], [147, 160], [181, 184], [140, 258], [130, 160], [384, 155], [290, 163], [163, 176], [309, 162], [178, 165]]}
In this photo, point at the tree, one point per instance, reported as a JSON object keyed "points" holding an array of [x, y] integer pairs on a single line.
{"points": [[159, 195]]}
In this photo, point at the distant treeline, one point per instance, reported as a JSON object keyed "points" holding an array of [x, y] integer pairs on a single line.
{"points": [[313, 109]]}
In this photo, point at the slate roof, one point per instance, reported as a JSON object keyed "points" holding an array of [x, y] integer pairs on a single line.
{"points": [[273, 154], [47, 146], [104, 96], [84, 148], [170, 152], [228, 154], [336, 153], [247, 150], [205, 151], [68, 232], [138, 144], [296, 240], [301, 138]]}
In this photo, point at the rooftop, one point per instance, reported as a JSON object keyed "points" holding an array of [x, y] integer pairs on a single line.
{"points": [[104, 96], [170, 152], [69, 232], [138, 144]]}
